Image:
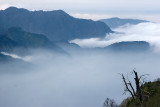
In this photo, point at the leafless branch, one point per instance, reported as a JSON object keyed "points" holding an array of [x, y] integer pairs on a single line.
{"points": [[127, 88]]}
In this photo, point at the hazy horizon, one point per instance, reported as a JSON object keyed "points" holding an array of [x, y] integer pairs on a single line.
{"points": [[94, 9]]}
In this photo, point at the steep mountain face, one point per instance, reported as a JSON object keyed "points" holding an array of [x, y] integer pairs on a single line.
{"points": [[117, 22], [15, 37], [6, 44], [132, 46], [56, 25]]}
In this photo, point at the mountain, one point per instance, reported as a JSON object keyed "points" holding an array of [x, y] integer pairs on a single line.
{"points": [[117, 22], [56, 25], [6, 44], [132, 46], [66, 46], [15, 38]]}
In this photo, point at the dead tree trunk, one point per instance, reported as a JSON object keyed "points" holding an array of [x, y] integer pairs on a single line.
{"points": [[138, 88], [127, 89]]}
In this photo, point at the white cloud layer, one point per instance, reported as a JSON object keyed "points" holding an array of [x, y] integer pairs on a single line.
{"points": [[149, 32], [25, 58], [84, 79]]}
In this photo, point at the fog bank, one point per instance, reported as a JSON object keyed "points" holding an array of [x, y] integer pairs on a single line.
{"points": [[83, 79]]}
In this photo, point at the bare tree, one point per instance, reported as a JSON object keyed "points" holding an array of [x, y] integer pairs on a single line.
{"points": [[110, 103], [136, 94], [138, 88], [127, 89]]}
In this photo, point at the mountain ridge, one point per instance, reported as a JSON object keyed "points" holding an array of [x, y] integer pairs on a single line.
{"points": [[17, 38], [56, 25], [115, 22], [129, 46]]}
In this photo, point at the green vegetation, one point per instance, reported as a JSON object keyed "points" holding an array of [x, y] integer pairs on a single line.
{"points": [[151, 96]]}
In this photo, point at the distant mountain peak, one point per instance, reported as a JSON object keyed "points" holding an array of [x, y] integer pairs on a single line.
{"points": [[117, 22], [132, 46], [15, 9], [60, 11], [11, 8], [56, 25]]}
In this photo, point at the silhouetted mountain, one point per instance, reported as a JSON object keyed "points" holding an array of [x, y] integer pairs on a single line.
{"points": [[15, 37], [117, 22], [56, 25], [132, 46]]}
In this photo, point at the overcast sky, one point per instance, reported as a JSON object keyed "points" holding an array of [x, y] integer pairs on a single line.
{"points": [[94, 9]]}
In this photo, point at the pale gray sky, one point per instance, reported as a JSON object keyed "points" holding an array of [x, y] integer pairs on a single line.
{"points": [[95, 9]]}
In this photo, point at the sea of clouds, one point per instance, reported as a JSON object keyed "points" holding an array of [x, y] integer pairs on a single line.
{"points": [[149, 32], [84, 78]]}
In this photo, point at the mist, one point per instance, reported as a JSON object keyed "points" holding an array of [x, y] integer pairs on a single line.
{"points": [[149, 32], [25, 58], [81, 79]]}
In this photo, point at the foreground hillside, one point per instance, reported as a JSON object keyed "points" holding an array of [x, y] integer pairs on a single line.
{"points": [[152, 98]]}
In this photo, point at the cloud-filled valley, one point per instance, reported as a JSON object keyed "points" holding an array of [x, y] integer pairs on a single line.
{"points": [[83, 79], [149, 32]]}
